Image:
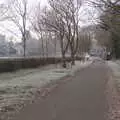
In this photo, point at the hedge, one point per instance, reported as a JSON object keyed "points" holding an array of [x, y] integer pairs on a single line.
{"points": [[12, 64]]}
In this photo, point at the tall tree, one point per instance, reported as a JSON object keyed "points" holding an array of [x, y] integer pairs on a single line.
{"points": [[52, 20], [104, 41], [18, 14], [69, 12], [85, 42], [109, 21]]}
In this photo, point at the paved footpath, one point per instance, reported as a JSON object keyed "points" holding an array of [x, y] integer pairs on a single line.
{"points": [[82, 98]]}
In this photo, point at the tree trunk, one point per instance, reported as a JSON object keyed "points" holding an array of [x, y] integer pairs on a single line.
{"points": [[42, 48], [24, 46], [24, 54], [64, 61], [47, 48], [55, 49], [73, 59]]}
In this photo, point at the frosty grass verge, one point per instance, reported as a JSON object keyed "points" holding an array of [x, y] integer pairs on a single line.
{"points": [[115, 66], [114, 90], [17, 87]]}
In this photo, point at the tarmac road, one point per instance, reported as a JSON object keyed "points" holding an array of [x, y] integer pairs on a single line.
{"points": [[82, 98]]}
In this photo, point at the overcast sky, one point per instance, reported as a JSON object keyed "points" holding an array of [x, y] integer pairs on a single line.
{"points": [[7, 28], [86, 18], [43, 2]]}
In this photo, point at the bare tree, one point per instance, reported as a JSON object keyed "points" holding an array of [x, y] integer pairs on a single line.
{"points": [[109, 21], [2, 11], [62, 19], [109, 11], [47, 40], [4, 7], [105, 5], [18, 15], [52, 21], [105, 40], [72, 20], [84, 43], [39, 29], [69, 12]]}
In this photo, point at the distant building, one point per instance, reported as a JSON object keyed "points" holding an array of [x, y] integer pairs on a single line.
{"points": [[11, 49], [97, 50], [3, 46], [32, 45], [19, 49]]}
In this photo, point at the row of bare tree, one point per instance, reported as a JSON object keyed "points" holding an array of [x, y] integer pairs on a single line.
{"points": [[109, 20], [60, 21]]}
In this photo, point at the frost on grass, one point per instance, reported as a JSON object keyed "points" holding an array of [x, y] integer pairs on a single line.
{"points": [[113, 93], [17, 87], [116, 71]]}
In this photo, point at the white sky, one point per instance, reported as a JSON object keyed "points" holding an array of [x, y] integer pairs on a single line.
{"points": [[6, 28], [43, 2], [85, 15]]}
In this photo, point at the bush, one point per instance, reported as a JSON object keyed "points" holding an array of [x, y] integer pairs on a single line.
{"points": [[12, 64], [116, 45]]}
